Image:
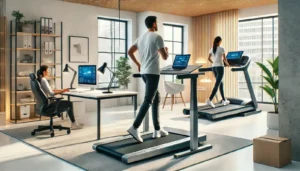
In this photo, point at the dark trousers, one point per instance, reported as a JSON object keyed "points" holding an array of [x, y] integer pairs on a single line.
{"points": [[65, 105], [219, 74], [152, 97]]}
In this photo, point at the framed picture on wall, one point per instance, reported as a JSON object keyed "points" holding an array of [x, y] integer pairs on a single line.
{"points": [[78, 49]]}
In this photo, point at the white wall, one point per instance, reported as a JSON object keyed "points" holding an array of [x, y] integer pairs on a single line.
{"points": [[78, 20], [260, 11], [170, 19]]}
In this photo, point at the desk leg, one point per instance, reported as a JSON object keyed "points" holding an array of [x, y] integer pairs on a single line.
{"points": [[134, 98], [98, 118]]}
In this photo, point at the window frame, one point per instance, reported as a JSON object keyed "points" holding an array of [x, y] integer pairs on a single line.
{"points": [[262, 50], [113, 52], [172, 41]]}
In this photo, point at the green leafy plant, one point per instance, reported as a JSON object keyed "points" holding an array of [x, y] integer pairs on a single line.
{"points": [[17, 15], [123, 71], [273, 81], [28, 22]]}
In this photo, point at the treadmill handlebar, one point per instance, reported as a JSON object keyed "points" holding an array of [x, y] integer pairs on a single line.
{"points": [[244, 67], [137, 75], [187, 76], [205, 69]]}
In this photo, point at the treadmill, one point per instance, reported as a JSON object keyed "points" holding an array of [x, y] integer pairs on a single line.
{"points": [[243, 107], [128, 150]]}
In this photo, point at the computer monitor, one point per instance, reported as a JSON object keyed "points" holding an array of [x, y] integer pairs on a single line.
{"points": [[87, 75], [234, 58], [181, 61]]}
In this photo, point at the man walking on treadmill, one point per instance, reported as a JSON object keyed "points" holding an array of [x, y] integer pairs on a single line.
{"points": [[149, 46]]}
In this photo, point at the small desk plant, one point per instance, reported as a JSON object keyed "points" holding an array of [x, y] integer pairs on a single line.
{"points": [[272, 90]]}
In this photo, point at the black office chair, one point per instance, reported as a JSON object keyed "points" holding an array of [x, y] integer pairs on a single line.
{"points": [[46, 108]]}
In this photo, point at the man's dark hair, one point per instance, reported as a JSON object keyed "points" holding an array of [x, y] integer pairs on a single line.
{"points": [[149, 21]]}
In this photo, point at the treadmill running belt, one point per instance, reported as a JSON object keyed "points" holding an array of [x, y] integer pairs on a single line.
{"points": [[229, 113], [221, 109], [120, 148]]}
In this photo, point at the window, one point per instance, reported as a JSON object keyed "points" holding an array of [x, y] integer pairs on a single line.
{"points": [[112, 44], [259, 40], [173, 38]]}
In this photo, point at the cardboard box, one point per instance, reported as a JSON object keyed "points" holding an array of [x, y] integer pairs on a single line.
{"points": [[272, 151]]}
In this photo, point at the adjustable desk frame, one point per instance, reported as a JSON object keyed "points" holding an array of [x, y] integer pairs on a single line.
{"points": [[98, 99], [194, 143]]}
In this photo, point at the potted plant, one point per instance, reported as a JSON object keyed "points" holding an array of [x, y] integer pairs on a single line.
{"points": [[27, 26], [18, 17], [123, 72], [272, 90]]}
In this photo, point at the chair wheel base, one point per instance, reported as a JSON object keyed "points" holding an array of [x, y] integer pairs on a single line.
{"points": [[69, 131], [52, 134], [33, 133]]}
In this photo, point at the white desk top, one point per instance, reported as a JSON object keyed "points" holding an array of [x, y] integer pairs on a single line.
{"points": [[98, 94]]}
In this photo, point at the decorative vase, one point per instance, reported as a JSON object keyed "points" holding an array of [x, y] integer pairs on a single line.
{"points": [[273, 120]]}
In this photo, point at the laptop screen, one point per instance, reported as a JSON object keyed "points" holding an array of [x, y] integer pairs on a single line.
{"points": [[181, 61], [235, 55]]}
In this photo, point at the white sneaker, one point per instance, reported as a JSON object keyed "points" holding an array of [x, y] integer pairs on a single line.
{"points": [[75, 126], [135, 134], [225, 102], [208, 102], [156, 134], [163, 132], [160, 133]]}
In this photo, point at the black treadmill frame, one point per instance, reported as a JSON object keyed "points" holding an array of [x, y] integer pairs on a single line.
{"points": [[245, 63]]}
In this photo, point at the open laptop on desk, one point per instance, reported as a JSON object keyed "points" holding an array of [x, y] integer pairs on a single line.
{"points": [[234, 58], [180, 63]]}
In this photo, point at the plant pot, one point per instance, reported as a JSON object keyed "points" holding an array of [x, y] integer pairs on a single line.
{"points": [[19, 27], [273, 120], [27, 28]]}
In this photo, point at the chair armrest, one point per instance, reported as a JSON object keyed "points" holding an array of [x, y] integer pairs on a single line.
{"points": [[55, 98]]}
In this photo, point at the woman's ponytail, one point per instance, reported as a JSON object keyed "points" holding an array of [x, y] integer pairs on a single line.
{"points": [[216, 42]]}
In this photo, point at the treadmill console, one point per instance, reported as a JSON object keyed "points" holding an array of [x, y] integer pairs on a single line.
{"points": [[234, 58]]}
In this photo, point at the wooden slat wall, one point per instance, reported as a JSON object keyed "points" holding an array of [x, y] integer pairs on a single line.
{"points": [[2, 63], [205, 29]]}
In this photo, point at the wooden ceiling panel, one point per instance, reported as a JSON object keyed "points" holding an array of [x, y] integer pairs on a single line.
{"points": [[177, 7]]}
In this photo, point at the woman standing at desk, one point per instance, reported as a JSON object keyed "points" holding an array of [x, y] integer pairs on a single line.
{"points": [[44, 72], [218, 54]]}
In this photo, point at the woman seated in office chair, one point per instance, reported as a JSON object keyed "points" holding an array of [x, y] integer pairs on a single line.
{"points": [[44, 72]]}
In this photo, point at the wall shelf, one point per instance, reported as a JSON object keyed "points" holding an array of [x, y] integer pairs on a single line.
{"points": [[53, 50], [25, 49], [23, 104], [51, 64], [22, 92], [37, 51], [26, 64], [35, 34]]}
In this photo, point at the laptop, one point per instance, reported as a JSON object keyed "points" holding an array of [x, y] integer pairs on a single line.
{"points": [[234, 58], [180, 63]]}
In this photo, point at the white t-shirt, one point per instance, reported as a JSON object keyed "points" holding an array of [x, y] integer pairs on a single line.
{"points": [[217, 57], [46, 87], [148, 46]]}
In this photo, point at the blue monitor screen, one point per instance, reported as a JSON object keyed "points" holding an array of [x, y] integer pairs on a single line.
{"points": [[234, 55], [181, 61], [87, 74]]}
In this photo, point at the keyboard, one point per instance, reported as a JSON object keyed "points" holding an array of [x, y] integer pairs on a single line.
{"points": [[79, 90]]}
